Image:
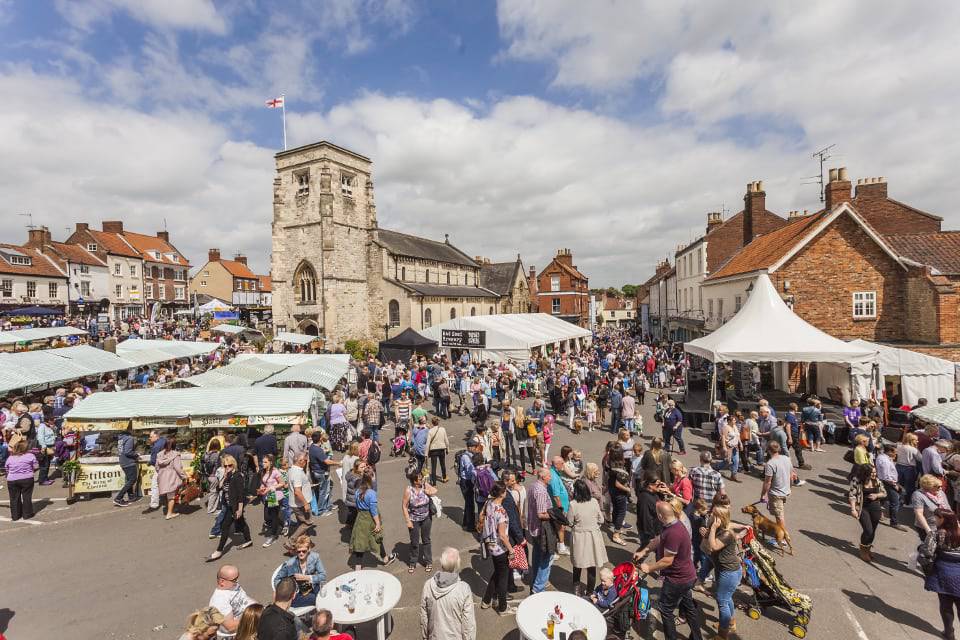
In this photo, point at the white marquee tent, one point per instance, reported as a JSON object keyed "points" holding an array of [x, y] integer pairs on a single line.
{"points": [[515, 336], [919, 375], [766, 330]]}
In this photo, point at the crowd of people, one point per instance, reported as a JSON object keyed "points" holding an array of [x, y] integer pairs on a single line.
{"points": [[526, 501]]}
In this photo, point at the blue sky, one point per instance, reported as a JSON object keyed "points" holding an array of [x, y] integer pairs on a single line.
{"points": [[610, 127]]}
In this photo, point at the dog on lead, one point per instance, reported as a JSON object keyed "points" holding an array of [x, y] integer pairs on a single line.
{"points": [[766, 527]]}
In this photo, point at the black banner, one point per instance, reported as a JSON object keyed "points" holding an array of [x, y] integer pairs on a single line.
{"points": [[462, 339]]}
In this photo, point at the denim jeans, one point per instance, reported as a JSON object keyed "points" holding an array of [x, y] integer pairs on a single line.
{"points": [[629, 424], [218, 523], [706, 566], [726, 584], [540, 569], [619, 506], [469, 505], [893, 501], [129, 479], [615, 420], [678, 436], [674, 595], [322, 493], [733, 464], [907, 476]]}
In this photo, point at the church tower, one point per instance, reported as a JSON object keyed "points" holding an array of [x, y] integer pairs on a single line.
{"points": [[325, 267]]}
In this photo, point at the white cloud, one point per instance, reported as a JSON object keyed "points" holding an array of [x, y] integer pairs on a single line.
{"points": [[198, 15], [71, 159]]}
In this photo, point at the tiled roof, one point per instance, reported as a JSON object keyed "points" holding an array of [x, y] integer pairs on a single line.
{"points": [[767, 249], [613, 303], [446, 291], [499, 276], [403, 244], [938, 250], [77, 254], [114, 243], [266, 284], [238, 269], [146, 245], [40, 265]]}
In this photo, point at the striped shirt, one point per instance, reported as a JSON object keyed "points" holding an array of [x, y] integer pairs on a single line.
{"points": [[538, 499]]}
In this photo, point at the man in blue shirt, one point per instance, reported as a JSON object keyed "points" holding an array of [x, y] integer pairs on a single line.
{"points": [[320, 463], [560, 498], [466, 476], [616, 408], [673, 427], [419, 442]]}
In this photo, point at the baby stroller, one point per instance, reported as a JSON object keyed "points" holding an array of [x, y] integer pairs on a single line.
{"points": [[770, 589], [398, 444], [632, 603]]}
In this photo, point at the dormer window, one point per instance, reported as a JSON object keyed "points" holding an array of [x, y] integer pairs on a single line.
{"points": [[92, 246], [156, 255], [21, 260], [346, 184], [302, 180]]}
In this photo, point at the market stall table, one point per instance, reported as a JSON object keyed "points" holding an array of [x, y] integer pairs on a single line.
{"points": [[578, 613], [365, 582]]}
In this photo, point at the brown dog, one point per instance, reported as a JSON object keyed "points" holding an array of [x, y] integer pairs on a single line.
{"points": [[765, 527], [577, 426]]}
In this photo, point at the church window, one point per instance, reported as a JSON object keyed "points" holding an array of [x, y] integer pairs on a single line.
{"points": [[394, 313], [490, 311], [346, 184], [448, 281], [302, 178], [428, 275], [305, 283], [453, 313], [473, 310], [403, 273], [427, 318]]}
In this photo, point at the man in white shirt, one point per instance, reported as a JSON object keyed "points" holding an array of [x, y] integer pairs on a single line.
{"points": [[230, 599], [299, 489]]}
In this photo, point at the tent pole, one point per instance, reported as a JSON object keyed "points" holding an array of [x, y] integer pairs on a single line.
{"points": [[713, 387]]}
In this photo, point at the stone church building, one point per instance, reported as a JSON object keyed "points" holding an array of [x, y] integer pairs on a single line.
{"points": [[337, 275]]}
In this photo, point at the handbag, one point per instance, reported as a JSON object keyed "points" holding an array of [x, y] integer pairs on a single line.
{"points": [[531, 429], [519, 560], [848, 456]]}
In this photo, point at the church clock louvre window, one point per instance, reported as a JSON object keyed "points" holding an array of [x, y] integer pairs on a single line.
{"points": [[302, 179], [305, 283]]}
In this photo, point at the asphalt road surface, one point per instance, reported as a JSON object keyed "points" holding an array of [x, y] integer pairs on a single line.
{"points": [[90, 570]]}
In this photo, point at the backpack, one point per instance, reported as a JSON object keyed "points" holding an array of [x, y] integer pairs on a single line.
{"points": [[251, 482], [484, 482], [456, 460], [373, 453]]}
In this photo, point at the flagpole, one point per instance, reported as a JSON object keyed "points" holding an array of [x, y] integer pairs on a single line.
{"points": [[283, 109]]}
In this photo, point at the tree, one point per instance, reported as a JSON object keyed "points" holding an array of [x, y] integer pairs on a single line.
{"points": [[629, 290], [611, 291]]}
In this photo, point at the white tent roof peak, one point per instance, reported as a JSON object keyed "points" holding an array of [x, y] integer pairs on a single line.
{"points": [[766, 330]]}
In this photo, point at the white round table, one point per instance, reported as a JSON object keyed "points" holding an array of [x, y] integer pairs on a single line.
{"points": [[365, 583], [578, 613]]}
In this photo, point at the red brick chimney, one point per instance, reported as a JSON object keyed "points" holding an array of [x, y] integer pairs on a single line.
{"points": [[714, 220], [838, 189], [754, 205], [113, 226], [872, 188], [38, 238], [82, 226], [164, 235], [565, 256], [213, 255], [242, 259]]}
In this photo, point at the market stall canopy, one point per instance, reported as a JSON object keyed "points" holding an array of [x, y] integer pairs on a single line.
{"points": [[48, 367], [766, 330], [511, 335], [403, 345], [146, 352], [203, 407], [294, 338], [235, 330], [215, 305], [947, 414], [38, 333], [919, 375], [319, 370], [33, 311]]}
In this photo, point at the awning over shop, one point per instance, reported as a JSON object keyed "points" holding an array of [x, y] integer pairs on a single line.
{"points": [[319, 370], [215, 305], [511, 335], [294, 338], [38, 333], [324, 372], [49, 367], [947, 414], [202, 407], [172, 348]]}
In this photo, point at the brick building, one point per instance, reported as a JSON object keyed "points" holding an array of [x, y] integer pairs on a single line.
{"points": [[229, 281], [563, 291], [841, 274]]}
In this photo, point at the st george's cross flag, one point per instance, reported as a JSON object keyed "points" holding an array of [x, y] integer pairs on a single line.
{"points": [[276, 103]]}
